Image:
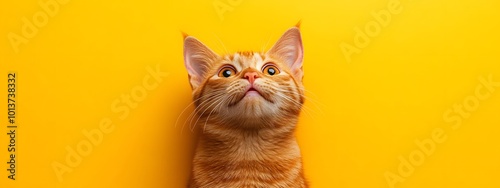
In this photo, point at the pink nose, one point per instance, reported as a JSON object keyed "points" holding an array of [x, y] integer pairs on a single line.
{"points": [[251, 76]]}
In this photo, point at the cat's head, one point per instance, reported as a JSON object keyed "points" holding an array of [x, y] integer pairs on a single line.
{"points": [[247, 89]]}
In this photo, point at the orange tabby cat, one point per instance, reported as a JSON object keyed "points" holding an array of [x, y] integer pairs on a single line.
{"points": [[247, 105]]}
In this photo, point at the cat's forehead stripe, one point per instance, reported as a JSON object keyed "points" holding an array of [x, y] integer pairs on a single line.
{"points": [[246, 53], [258, 57], [245, 59], [237, 62]]}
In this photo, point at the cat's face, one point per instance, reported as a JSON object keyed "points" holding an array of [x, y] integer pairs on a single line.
{"points": [[247, 89]]}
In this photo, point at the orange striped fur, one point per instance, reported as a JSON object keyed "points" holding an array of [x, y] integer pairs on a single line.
{"points": [[247, 138]]}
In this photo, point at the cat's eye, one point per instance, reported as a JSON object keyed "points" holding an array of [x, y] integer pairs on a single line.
{"points": [[270, 69], [227, 72]]}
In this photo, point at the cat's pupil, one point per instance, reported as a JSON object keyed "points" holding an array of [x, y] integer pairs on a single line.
{"points": [[271, 71], [226, 73]]}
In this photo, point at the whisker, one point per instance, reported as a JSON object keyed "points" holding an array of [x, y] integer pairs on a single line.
{"points": [[265, 45], [200, 115], [184, 111], [303, 95], [216, 108], [204, 104], [192, 114], [220, 41], [306, 91], [305, 108], [314, 102]]}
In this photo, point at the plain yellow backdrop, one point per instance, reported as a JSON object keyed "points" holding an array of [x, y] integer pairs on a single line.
{"points": [[361, 116]]}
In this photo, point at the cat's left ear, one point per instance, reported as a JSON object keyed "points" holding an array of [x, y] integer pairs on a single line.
{"points": [[289, 49], [198, 59]]}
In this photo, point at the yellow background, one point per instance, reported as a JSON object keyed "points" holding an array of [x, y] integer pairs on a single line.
{"points": [[361, 115]]}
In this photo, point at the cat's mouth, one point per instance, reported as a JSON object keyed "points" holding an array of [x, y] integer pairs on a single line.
{"points": [[253, 92]]}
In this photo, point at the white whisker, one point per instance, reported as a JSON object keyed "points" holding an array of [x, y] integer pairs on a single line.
{"points": [[200, 115], [314, 102], [220, 41], [202, 104], [215, 108], [184, 111], [305, 108]]}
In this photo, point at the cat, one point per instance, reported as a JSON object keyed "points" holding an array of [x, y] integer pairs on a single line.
{"points": [[247, 105]]}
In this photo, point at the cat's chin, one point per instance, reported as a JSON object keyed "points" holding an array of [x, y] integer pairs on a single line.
{"points": [[254, 104], [251, 105]]}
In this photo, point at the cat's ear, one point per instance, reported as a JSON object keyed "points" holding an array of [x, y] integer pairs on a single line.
{"points": [[289, 49], [198, 59]]}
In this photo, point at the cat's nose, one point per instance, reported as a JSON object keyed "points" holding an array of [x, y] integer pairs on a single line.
{"points": [[251, 76]]}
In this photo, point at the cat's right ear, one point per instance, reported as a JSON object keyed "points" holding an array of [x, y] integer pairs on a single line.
{"points": [[198, 59]]}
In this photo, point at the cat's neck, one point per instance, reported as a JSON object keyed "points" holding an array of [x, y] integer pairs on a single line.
{"points": [[250, 143]]}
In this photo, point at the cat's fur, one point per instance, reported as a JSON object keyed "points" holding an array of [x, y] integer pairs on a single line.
{"points": [[248, 136]]}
